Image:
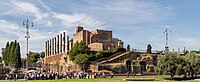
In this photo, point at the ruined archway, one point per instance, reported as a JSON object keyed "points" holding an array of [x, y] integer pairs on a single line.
{"points": [[143, 66], [128, 65]]}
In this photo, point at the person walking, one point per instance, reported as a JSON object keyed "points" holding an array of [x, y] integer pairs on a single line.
{"points": [[103, 74], [112, 74], [127, 74]]}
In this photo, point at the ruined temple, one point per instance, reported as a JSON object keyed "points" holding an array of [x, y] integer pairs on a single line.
{"points": [[58, 47]]}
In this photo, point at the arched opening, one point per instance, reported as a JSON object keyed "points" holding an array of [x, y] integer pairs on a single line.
{"points": [[128, 65], [143, 66]]}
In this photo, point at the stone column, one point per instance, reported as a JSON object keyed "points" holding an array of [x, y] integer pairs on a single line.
{"points": [[57, 44], [45, 49], [67, 43], [50, 47], [64, 41], [61, 43]]}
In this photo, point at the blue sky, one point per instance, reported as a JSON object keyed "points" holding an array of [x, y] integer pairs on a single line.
{"points": [[136, 22]]}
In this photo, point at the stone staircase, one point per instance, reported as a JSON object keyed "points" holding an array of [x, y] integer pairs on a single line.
{"points": [[106, 58], [112, 57]]}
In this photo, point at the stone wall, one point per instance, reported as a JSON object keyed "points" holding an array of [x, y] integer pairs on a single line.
{"points": [[96, 46]]}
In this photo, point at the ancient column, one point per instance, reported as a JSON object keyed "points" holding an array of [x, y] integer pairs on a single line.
{"points": [[61, 43], [45, 49], [50, 47], [52, 50], [67, 43], [57, 44], [63, 47]]}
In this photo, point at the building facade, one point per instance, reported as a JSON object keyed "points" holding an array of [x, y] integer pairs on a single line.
{"points": [[58, 47]]}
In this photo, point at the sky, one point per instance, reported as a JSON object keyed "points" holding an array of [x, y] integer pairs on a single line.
{"points": [[136, 22]]}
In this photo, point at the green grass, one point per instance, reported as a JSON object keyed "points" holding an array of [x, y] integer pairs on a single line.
{"points": [[76, 80], [141, 79]]}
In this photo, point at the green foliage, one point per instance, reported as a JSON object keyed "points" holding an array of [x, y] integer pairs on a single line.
{"points": [[128, 47], [149, 49], [42, 54], [78, 48], [81, 59], [12, 55], [6, 53], [192, 63], [194, 51], [169, 64], [98, 55], [34, 56], [174, 64]]}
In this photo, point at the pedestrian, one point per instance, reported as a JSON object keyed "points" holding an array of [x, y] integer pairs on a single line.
{"points": [[103, 74], [112, 74], [127, 74], [134, 74]]}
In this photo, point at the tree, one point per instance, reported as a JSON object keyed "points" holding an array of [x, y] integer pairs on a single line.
{"points": [[42, 54], [192, 63], [81, 60], [17, 56], [128, 47], [170, 64], [6, 52], [12, 55], [149, 49], [33, 57], [78, 48]]}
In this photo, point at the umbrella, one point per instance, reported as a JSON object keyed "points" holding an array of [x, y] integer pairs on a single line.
{"points": [[31, 71]]}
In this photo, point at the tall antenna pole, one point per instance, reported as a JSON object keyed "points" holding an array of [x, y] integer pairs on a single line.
{"points": [[166, 32], [26, 24]]}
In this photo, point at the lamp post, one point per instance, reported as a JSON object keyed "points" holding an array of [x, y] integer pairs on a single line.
{"points": [[26, 24]]}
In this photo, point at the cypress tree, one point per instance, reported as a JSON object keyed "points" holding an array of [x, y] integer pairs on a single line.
{"points": [[17, 56], [10, 48], [149, 49], [11, 55], [5, 54]]}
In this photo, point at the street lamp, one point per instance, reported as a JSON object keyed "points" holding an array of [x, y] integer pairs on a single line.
{"points": [[26, 24]]}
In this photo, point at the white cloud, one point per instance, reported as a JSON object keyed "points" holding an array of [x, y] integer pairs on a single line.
{"points": [[42, 21], [188, 42], [78, 19]]}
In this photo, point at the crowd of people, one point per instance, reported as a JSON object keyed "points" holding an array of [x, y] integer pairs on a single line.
{"points": [[54, 76], [64, 75]]}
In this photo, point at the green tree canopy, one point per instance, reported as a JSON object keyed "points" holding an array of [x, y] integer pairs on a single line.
{"points": [[78, 48], [81, 59], [169, 64], [128, 47], [34, 56], [175, 64], [192, 63], [149, 48], [12, 55]]}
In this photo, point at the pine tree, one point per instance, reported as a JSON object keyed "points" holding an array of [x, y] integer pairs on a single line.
{"points": [[17, 57], [5, 54], [10, 49], [12, 55], [149, 49], [128, 47]]}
